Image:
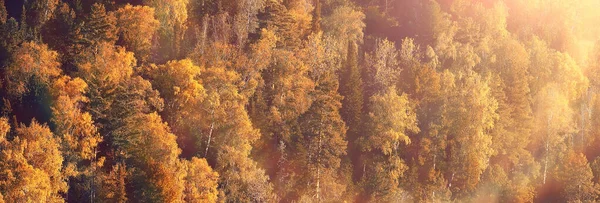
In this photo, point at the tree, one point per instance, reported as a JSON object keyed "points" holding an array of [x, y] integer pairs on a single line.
{"points": [[288, 73], [3, 12], [39, 12], [260, 57], [281, 99], [425, 179], [74, 126], [320, 55], [550, 66], [511, 134], [4, 129], [228, 137], [31, 163], [385, 66], [300, 12], [345, 24], [351, 88], [97, 28], [246, 19], [105, 71], [136, 28], [200, 181], [112, 185], [391, 119], [55, 30], [79, 136], [553, 125], [107, 66], [172, 16], [224, 135], [31, 62], [280, 20], [108, 71], [469, 114], [322, 144], [118, 101], [151, 154], [180, 86], [575, 176]]}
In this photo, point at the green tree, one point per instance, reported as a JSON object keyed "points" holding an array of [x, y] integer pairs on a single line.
{"points": [[575, 176], [511, 134], [39, 12], [98, 27], [245, 20], [423, 84], [57, 29], [351, 88], [112, 184], [118, 101]]}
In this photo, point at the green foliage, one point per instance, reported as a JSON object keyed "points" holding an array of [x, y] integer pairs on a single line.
{"points": [[98, 27]]}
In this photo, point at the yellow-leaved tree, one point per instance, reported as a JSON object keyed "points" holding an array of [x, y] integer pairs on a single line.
{"points": [[78, 134], [136, 27], [31, 62], [468, 115], [31, 164], [391, 120], [180, 86], [200, 182], [151, 154]]}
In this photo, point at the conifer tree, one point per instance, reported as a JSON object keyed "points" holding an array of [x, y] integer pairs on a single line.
{"points": [[322, 144], [98, 27], [351, 88]]}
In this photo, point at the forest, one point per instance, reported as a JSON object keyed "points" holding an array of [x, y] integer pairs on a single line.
{"points": [[299, 101]]}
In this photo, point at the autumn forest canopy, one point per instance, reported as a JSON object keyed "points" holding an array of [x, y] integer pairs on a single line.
{"points": [[299, 101]]}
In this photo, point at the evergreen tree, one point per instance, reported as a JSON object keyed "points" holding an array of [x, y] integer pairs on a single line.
{"points": [[351, 88], [98, 27], [322, 144]]}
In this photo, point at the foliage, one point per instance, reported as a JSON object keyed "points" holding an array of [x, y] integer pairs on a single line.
{"points": [[299, 101]]}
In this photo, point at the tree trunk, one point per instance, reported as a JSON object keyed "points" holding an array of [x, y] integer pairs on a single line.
{"points": [[212, 126], [319, 162]]}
